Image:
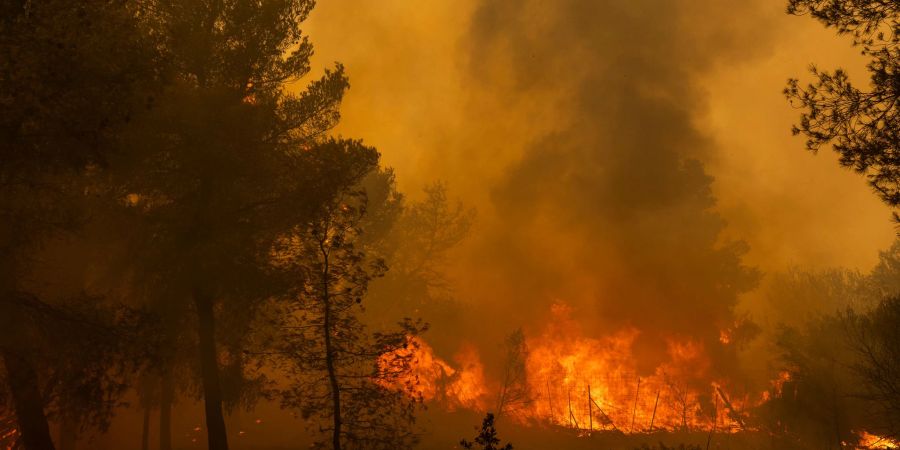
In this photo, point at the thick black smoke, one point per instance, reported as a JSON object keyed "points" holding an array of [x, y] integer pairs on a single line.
{"points": [[613, 211]]}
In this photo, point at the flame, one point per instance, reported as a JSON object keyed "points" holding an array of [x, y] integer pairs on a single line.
{"points": [[468, 389], [872, 441], [594, 383], [725, 336], [434, 380]]}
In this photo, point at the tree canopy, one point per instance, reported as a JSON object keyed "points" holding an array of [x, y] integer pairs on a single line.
{"points": [[861, 124]]}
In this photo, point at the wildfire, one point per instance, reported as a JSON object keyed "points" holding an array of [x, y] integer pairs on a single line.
{"points": [[725, 337], [777, 389], [433, 379], [594, 384], [871, 441]]}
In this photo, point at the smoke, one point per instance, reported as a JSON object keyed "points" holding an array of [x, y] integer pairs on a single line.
{"points": [[587, 134], [610, 208]]}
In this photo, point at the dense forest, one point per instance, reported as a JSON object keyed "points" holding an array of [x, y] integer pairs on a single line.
{"points": [[195, 255]]}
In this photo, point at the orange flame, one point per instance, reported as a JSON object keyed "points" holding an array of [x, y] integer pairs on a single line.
{"points": [[872, 441], [594, 384], [433, 379]]}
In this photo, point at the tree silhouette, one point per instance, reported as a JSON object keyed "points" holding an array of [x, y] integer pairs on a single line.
{"points": [[817, 402], [71, 76], [227, 159], [875, 338], [415, 239], [863, 126], [487, 437], [514, 388], [340, 371], [179, 126]]}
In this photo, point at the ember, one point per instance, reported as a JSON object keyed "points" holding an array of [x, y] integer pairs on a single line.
{"points": [[9, 435]]}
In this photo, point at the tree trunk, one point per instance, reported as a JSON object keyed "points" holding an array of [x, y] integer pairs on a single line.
{"points": [[167, 394], [68, 434], [209, 371], [28, 402], [329, 362]]}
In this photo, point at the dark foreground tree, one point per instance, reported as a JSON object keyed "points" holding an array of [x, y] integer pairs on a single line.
{"points": [[816, 404], [862, 125], [875, 337], [487, 438], [70, 77], [342, 375], [227, 159], [87, 350]]}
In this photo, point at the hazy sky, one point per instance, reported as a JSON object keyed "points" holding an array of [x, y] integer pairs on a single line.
{"points": [[417, 94]]}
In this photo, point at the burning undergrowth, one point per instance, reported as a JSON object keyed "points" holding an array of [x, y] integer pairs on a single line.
{"points": [[594, 383], [562, 377]]}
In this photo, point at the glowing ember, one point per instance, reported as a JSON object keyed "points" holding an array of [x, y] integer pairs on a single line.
{"points": [[725, 337], [9, 435]]}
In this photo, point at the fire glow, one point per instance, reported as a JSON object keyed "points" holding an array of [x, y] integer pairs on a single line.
{"points": [[434, 380], [593, 384], [871, 441], [9, 434]]}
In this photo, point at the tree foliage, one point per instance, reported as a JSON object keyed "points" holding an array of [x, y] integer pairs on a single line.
{"points": [[228, 158], [72, 76], [835, 346], [341, 372], [180, 143], [875, 338], [487, 437], [514, 391], [816, 404], [416, 240], [862, 125]]}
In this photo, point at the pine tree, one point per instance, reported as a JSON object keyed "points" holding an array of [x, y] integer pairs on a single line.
{"points": [[71, 76], [342, 372], [861, 125], [226, 160], [487, 438]]}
